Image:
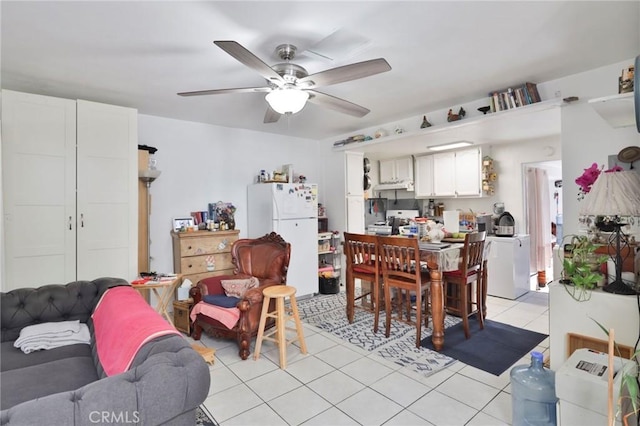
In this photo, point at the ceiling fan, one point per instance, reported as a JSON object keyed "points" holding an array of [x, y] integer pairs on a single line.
{"points": [[289, 86]]}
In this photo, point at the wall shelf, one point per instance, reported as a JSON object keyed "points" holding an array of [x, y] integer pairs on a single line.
{"points": [[533, 121], [617, 110]]}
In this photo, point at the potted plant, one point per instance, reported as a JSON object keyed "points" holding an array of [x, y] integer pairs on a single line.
{"points": [[581, 270]]}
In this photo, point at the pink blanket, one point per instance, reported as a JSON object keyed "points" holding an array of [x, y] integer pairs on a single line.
{"points": [[123, 322], [227, 316]]}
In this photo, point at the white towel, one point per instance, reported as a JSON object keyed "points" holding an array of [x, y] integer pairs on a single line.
{"points": [[51, 335], [50, 342]]}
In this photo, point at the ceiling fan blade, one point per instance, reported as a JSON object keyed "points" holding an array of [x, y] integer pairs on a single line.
{"points": [[271, 116], [345, 73], [223, 91], [337, 104], [236, 50]]}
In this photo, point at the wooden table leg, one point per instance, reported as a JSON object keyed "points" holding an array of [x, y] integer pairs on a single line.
{"points": [[437, 309], [163, 302]]}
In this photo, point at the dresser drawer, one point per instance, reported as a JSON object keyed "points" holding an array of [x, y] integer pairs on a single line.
{"points": [[198, 264], [195, 278], [206, 245]]}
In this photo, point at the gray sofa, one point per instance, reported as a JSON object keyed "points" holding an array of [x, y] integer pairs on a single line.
{"points": [[165, 383]]}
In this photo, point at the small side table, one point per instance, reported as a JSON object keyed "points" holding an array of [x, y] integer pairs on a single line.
{"points": [[163, 290], [181, 320]]}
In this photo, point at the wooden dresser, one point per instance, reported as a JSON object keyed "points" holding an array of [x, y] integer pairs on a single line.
{"points": [[191, 250]]}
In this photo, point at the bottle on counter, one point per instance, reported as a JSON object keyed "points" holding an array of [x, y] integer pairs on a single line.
{"points": [[431, 208]]}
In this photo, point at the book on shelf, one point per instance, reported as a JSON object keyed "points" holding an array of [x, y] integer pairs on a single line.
{"points": [[510, 98]]}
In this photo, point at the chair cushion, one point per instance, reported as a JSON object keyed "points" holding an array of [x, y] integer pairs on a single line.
{"points": [[238, 287], [220, 300], [363, 270], [458, 273]]}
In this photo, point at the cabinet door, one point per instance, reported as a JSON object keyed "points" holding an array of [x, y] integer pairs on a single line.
{"points": [[444, 180], [38, 175], [387, 171], [355, 173], [355, 215], [107, 191], [424, 176], [468, 180], [404, 169]]}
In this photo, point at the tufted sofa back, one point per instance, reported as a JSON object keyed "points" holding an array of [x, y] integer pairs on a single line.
{"points": [[50, 303]]}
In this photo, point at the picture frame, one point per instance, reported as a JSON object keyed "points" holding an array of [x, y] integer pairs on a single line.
{"points": [[182, 222]]}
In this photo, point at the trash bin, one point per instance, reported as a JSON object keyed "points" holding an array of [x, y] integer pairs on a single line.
{"points": [[329, 285]]}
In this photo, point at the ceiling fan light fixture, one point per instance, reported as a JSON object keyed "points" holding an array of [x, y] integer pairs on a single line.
{"points": [[287, 100]]}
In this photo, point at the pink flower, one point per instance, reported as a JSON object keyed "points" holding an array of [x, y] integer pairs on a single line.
{"points": [[588, 178], [615, 168]]}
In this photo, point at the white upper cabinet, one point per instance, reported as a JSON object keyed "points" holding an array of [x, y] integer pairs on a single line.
{"points": [[468, 178], [396, 170], [444, 176], [449, 174], [424, 176], [354, 163]]}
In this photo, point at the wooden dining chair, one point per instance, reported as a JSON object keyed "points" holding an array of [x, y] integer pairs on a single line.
{"points": [[362, 256], [402, 272], [459, 284]]}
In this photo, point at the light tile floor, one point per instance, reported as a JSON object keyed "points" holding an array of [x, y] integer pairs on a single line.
{"points": [[337, 383]]}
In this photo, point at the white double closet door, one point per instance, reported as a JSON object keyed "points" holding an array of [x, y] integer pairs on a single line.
{"points": [[69, 190]]}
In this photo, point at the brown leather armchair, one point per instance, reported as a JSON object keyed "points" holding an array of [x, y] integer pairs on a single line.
{"points": [[266, 258]]}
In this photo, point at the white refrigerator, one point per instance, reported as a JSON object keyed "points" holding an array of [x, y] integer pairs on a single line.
{"points": [[291, 210], [508, 266]]}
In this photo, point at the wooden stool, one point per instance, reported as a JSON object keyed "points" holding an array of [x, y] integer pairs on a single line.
{"points": [[280, 292], [206, 353]]}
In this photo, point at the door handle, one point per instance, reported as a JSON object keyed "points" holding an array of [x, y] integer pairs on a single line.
{"points": [[70, 226], [82, 220]]}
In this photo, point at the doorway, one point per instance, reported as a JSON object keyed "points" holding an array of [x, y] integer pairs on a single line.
{"points": [[542, 182]]}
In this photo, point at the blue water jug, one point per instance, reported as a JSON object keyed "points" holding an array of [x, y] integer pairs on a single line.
{"points": [[533, 394]]}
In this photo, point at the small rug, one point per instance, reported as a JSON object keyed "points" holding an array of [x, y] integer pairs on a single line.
{"points": [[328, 312], [494, 349], [204, 417]]}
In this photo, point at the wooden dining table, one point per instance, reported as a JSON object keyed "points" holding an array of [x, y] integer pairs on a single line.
{"points": [[439, 260]]}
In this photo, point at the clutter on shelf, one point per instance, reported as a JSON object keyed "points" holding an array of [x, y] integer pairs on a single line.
{"points": [[489, 176], [455, 117]]}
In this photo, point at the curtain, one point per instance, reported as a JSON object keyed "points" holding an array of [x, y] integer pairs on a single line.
{"points": [[539, 221]]}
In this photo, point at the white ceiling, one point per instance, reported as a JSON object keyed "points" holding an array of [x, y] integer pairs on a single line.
{"points": [[140, 53]]}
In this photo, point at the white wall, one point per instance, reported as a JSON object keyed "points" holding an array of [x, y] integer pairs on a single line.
{"points": [[586, 137], [202, 163]]}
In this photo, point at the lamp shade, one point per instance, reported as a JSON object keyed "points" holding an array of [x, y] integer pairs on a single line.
{"points": [[613, 194], [287, 100]]}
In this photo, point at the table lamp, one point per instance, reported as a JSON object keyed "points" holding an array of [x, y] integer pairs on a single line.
{"points": [[614, 197]]}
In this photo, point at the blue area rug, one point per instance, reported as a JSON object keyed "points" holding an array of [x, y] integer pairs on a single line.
{"points": [[328, 312], [494, 349]]}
